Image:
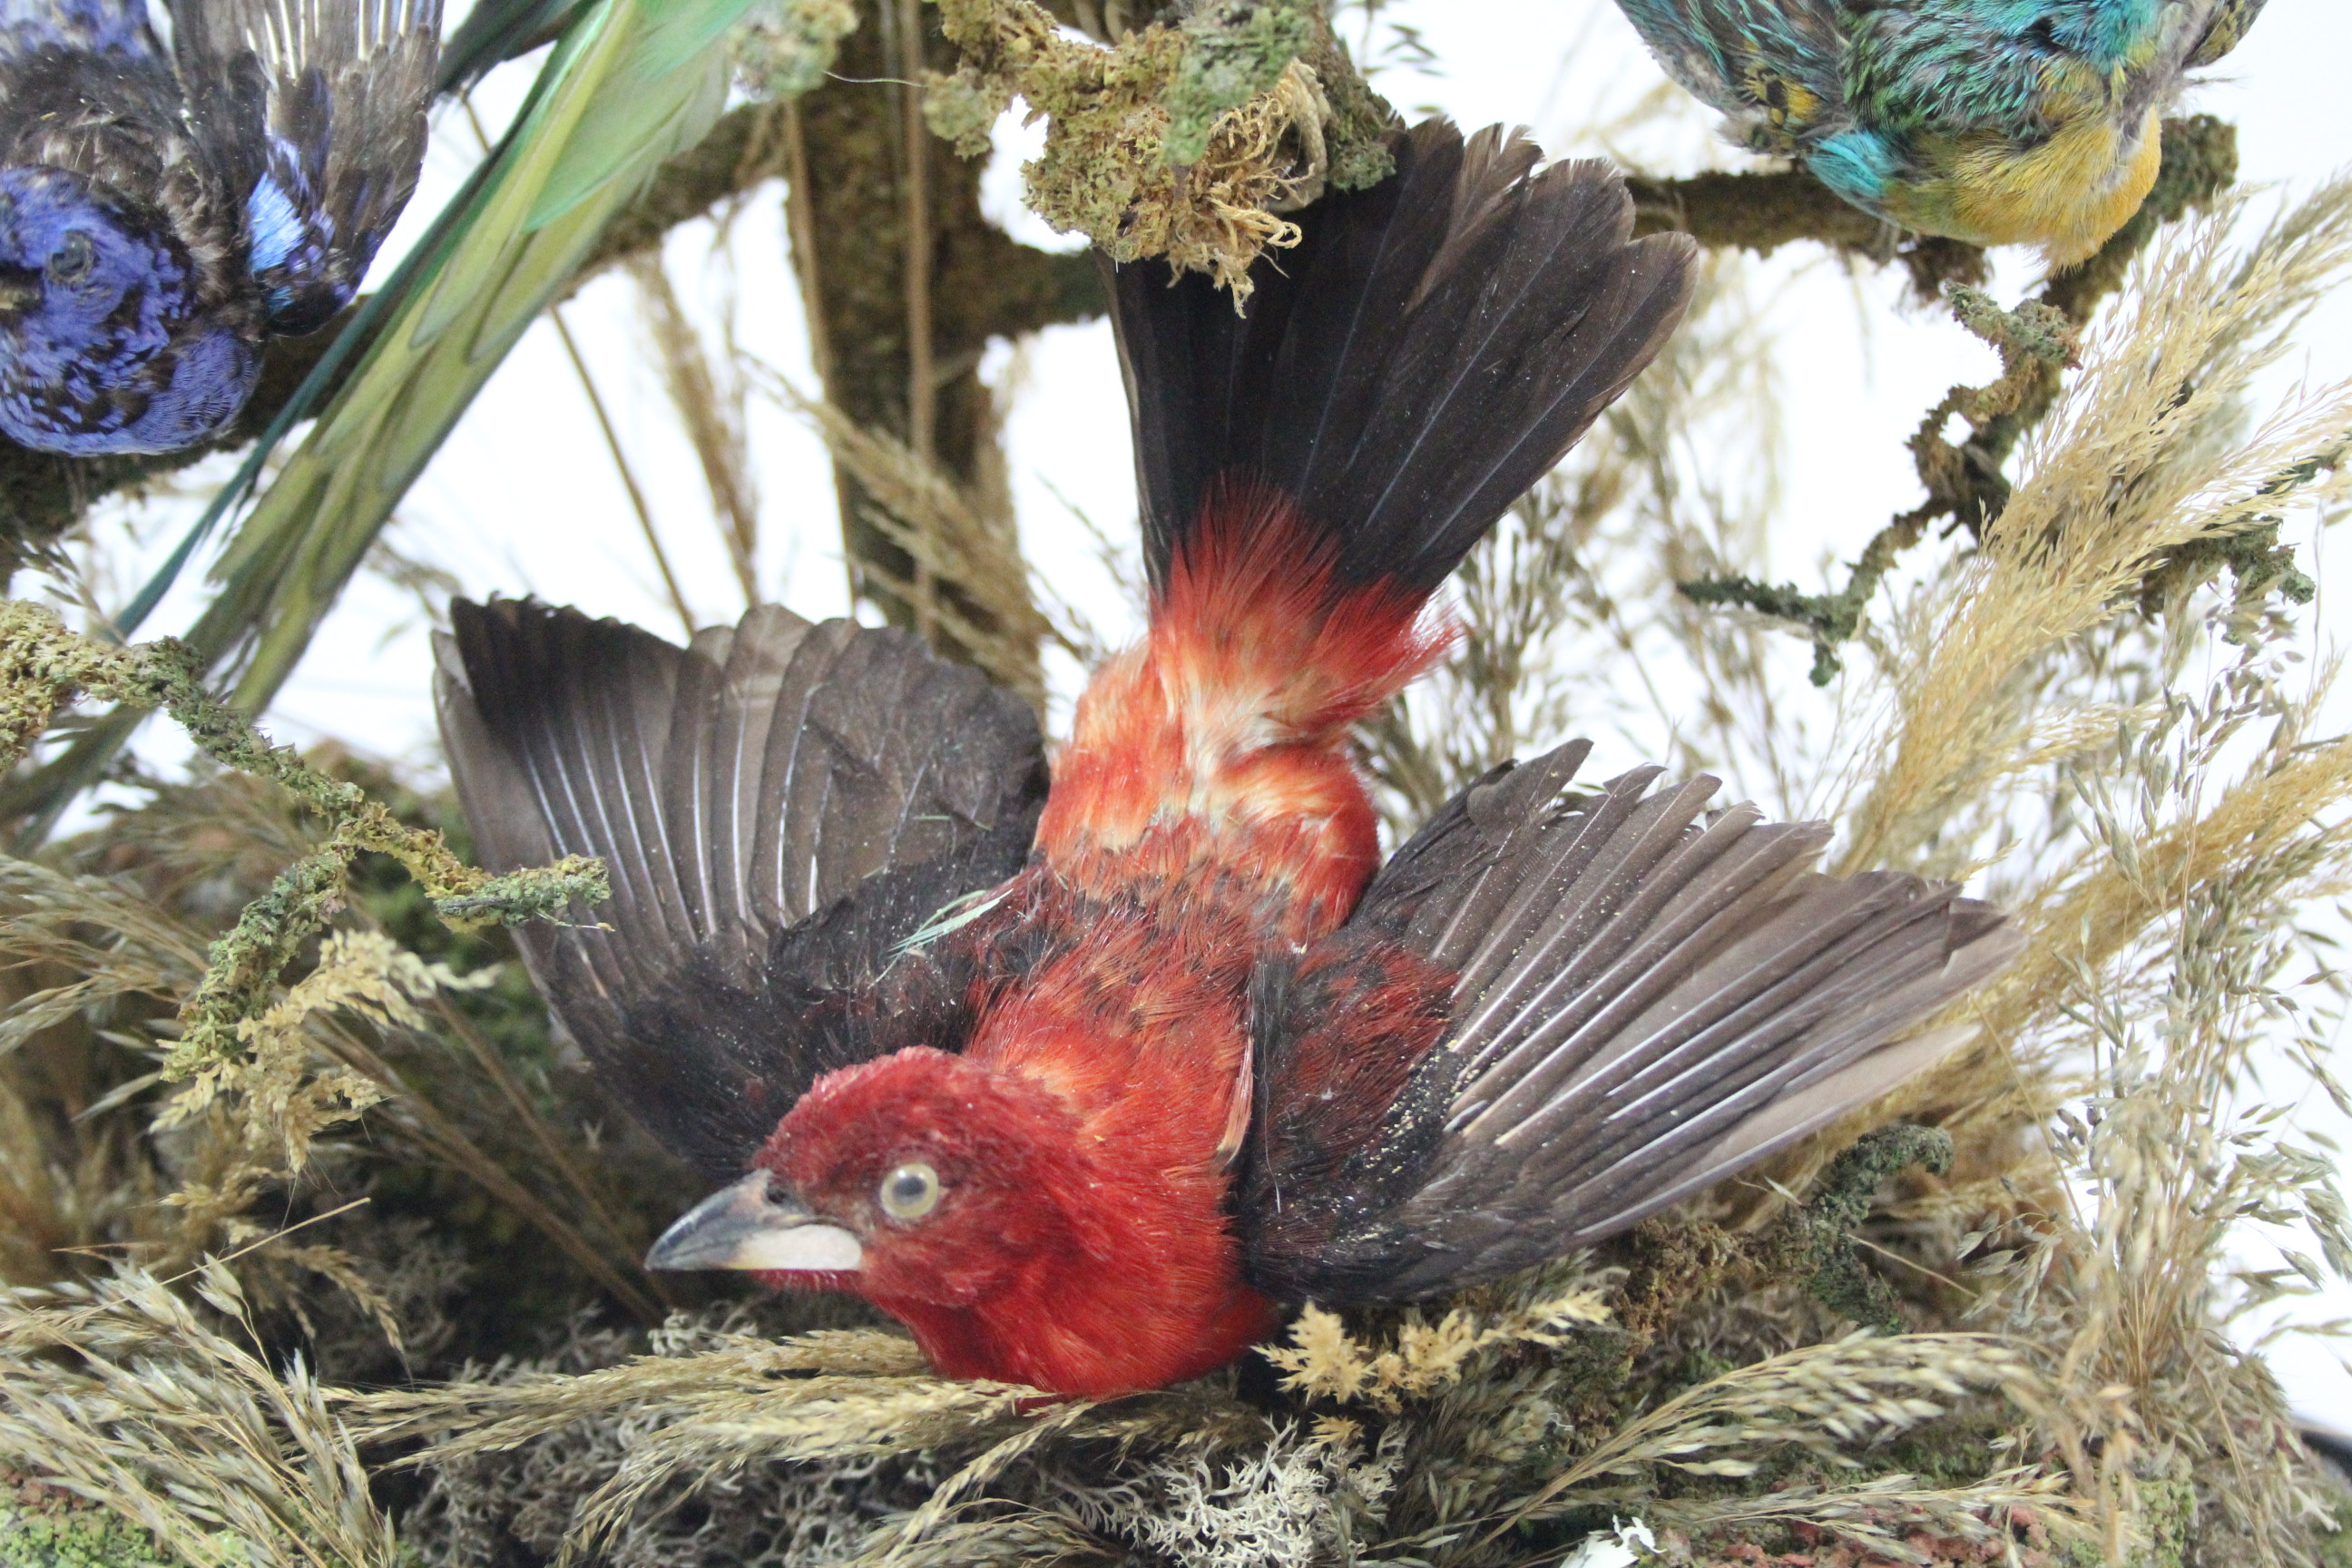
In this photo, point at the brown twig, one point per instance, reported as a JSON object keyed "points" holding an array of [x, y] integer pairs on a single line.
{"points": [[628, 478]]}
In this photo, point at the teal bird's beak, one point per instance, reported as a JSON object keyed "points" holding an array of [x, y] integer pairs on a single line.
{"points": [[756, 1224], [19, 288]]}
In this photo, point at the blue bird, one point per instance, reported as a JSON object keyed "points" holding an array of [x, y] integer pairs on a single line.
{"points": [[162, 213], [1996, 122]]}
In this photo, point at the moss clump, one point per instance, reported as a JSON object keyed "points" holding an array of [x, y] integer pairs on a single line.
{"points": [[1186, 142], [1818, 1243], [2332, 1548], [2168, 1522], [47, 1527], [2164, 1536], [1233, 50], [785, 51]]}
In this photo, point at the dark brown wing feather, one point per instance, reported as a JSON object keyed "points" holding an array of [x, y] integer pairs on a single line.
{"points": [[1431, 349], [1636, 1003], [779, 806], [325, 100]]}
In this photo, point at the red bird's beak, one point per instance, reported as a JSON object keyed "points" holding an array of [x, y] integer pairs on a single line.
{"points": [[756, 1224]]}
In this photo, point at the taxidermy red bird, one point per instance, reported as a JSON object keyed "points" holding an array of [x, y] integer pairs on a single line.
{"points": [[1083, 1085]]}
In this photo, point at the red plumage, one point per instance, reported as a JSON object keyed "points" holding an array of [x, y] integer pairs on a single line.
{"points": [[1081, 1088], [1220, 739], [1041, 1280], [1204, 814]]}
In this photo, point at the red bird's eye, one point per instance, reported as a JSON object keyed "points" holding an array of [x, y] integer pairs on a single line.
{"points": [[910, 1192]]}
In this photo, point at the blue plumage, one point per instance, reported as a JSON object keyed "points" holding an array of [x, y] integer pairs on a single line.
{"points": [[162, 213], [1999, 121]]}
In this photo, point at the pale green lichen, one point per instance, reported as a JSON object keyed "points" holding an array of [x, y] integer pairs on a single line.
{"points": [[1233, 50], [2164, 1536], [2331, 1544], [786, 46], [46, 1527], [962, 109], [43, 666]]}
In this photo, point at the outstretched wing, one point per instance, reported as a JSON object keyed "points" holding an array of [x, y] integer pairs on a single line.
{"points": [[315, 110], [1557, 1013], [780, 806]]}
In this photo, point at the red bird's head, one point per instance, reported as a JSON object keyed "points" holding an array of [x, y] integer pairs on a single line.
{"points": [[920, 1177], [962, 1200]]}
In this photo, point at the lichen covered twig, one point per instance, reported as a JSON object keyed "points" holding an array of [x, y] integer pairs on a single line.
{"points": [[43, 667], [1965, 480]]}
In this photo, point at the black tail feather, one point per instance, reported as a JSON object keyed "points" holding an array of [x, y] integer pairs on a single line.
{"points": [[1431, 347]]}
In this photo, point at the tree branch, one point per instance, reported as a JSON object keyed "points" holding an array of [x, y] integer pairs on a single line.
{"points": [[1965, 480]]}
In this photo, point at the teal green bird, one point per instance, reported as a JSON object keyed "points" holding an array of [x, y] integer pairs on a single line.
{"points": [[1996, 122]]}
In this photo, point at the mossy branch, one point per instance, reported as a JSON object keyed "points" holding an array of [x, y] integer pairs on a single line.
{"points": [[1965, 480], [2034, 341], [1761, 210], [2258, 564], [43, 667]]}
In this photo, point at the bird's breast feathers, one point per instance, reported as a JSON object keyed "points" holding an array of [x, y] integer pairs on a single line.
{"points": [[2067, 194], [1221, 740]]}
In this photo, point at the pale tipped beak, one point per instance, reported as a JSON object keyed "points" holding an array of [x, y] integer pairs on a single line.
{"points": [[18, 290], [755, 1224]]}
